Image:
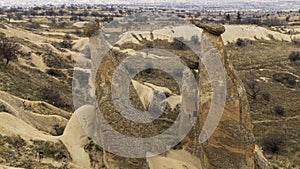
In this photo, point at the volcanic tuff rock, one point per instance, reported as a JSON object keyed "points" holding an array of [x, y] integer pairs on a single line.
{"points": [[213, 28], [231, 145]]}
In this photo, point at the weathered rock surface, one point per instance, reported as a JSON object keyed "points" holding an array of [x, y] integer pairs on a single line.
{"points": [[231, 145], [213, 28], [260, 160]]}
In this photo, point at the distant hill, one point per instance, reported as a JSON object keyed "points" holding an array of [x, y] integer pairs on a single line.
{"points": [[271, 5]]}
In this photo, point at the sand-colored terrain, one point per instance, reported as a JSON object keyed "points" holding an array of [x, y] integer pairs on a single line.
{"points": [[252, 32], [39, 121]]}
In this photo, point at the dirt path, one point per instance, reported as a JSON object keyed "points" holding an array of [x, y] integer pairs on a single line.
{"points": [[277, 121]]}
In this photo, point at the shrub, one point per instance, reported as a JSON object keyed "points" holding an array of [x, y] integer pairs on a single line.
{"points": [[3, 27], [34, 25], [67, 42], [55, 72], [9, 49], [53, 60], [2, 108], [15, 140], [94, 152], [74, 18], [59, 129], [287, 79], [49, 149], [240, 42], [294, 57], [266, 96], [52, 96], [272, 143], [253, 88], [78, 32], [279, 110]]}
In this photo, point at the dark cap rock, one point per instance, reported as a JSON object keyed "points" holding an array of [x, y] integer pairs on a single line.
{"points": [[211, 27]]}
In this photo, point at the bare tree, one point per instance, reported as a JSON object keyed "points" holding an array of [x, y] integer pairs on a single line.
{"points": [[273, 143], [9, 49], [294, 57], [254, 88]]}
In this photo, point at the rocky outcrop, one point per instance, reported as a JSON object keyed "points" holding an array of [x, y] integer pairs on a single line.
{"points": [[260, 160], [210, 27], [231, 144]]}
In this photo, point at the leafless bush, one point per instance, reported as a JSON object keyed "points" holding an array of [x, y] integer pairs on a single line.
{"points": [[67, 42], [15, 140], [266, 96], [240, 42], [49, 149], [279, 110], [9, 49], [253, 88], [294, 57], [287, 79], [59, 129], [2, 108], [55, 72], [52, 96], [273, 143]]}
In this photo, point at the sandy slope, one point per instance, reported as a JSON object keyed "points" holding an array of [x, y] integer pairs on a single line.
{"points": [[23, 34], [10, 125], [176, 160], [233, 32], [39, 62], [41, 41], [42, 122], [6, 167], [75, 138], [16, 122], [39, 121]]}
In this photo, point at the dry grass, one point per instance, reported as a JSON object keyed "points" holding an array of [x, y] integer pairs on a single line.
{"points": [[262, 60]]}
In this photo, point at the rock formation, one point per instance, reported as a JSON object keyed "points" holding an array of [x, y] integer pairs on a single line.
{"points": [[231, 145]]}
